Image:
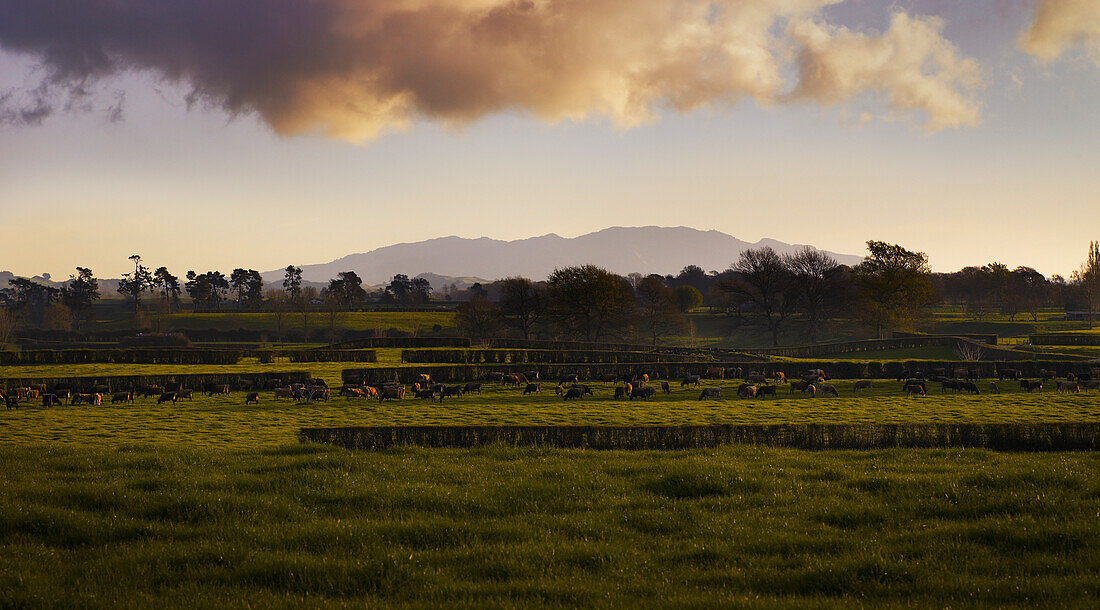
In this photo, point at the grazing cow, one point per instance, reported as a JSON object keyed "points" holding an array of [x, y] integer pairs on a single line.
{"points": [[318, 393], [185, 393], [639, 379], [950, 384], [1091, 384], [608, 378], [391, 392], [63, 392], [1010, 374], [583, 388], [559, 390], [811, 391], [166, 396], [78, 399], [50, 400], [816, 373], [534, 375], [472, 388], [567, 379], [690, 380], [454, 390], [11, 402], [370, 392], [620, 392], [572, 394], [532, 388], [643, 392], [993, 389], [494, 376], [914, 389], [284, 393], [252, 397], [780, 376], [715, 372], [150, 391], [118, 397], [424, 377], [861, 385], [812, 378], [218, 389], [424, 394], [710, 393], [746, 391], [350, 393], [755, 378], [828, 390], [1048, 375], [666, 388], [969, 386], [1031, 386], [1068, 387], [799, 386], [766, 390]]}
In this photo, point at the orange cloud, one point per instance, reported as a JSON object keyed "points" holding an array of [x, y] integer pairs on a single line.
{"points": [[1059, 24]]}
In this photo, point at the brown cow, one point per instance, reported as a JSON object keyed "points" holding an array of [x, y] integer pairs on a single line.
{"points": [[532, 388], [252, 397], [167, 396], [861, 385], [746, 390]]}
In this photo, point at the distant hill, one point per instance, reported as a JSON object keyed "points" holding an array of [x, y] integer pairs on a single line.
{"points": [[621, 249]]}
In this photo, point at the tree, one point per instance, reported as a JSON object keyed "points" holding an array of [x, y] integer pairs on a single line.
{"points": [[279, 303], [765, 282], [687, 298], [348, 289], [7, 326], [421, 289], [1088, 279], [169, 286], [207, 290], [1026, 290], [254, 290], [29, 298], [292, 283], [820, 285], [399, 289], [57, 317], [79, 295], [309, 293], [588, 300], [657, 306], [479, 319], [333, 301], [894, 285], [523, 301], [238, 281], [134, 284]]}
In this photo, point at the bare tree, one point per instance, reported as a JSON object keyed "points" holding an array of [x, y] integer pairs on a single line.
{"points": [[765, 282], [524, 301], [819, 284], [657, 307], [1088, 279]]}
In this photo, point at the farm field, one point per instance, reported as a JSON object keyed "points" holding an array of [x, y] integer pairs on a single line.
{"points": [[137, 524], [225, 422]]}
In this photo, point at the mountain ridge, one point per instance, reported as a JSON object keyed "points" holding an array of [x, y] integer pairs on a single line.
{"points": [[648, 249]]}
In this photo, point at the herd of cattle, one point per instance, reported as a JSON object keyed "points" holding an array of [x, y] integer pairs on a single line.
{"points": [[756, 384]]}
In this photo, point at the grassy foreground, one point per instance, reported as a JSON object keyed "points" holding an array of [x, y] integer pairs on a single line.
{"points": [[140, 525]]}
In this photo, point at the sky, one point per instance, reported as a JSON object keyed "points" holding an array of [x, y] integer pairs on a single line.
{"points": [[214, 134]]}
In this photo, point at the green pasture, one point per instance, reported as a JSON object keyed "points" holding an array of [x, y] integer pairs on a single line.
{"points": [[415, 321], [138, 525], [225, 422]]}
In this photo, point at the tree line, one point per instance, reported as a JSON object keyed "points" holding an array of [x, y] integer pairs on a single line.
{"points": [[889, 290]]}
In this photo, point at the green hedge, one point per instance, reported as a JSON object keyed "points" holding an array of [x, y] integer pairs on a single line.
{"points": [[1065, 339], [330, 355], [836, 369], [1003, 437], [400, 343], [509, 356], [126, 382], [123, 356]]}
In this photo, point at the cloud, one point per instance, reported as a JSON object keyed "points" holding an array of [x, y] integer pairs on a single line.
{"points": [[352, 69], [1058, 24]]}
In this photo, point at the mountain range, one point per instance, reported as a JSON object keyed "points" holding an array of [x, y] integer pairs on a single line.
{"points": [[662, 250]]}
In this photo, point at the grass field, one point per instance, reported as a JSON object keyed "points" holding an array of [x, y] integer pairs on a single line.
{"points": [[358, 320], [225, 422], [139, 525]]}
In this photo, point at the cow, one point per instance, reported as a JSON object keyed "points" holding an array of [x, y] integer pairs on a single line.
{"points": [[862, 385], [572, 394], [78, 398], [640, 380], [1010, 374], [799, 386], [118, 397], [961, 372], [424, 394], [494, 376], [993, 389], [828, 390], [666, 388], [370, 392], [746, 391], [318, 393], [608, 378], [715, 372], [454, 390], [218, 389], [1091, 384], [780, 377], [620, 392], [252, 397], [710, 393], [950, 384], [11, 402], [811, 391], [172, 386], [1031, 386], [816, 373], [690, 380], [567, 379], [532, 388], [559, 390], [350, 393], [391, 392], [1047, 375], [472, 388], [643, 392], [284, 393], [755, 378], [534, 375], [969, 386], [583, 388], [62, 392], [1068, 387], [150, 391], [766, 390], [185, 393], [914, 389], [166, 397], [812, 378], [50, 400], [424, 377]]}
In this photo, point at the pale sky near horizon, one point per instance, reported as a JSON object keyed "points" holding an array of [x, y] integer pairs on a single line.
{"points": [[784, 126]]}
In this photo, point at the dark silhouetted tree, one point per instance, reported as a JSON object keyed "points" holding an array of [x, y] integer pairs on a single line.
{"points": [[657, 307], [588, 301], [80, 294], [894, 285], [523, 301], [479, 319], [132, 285]]}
